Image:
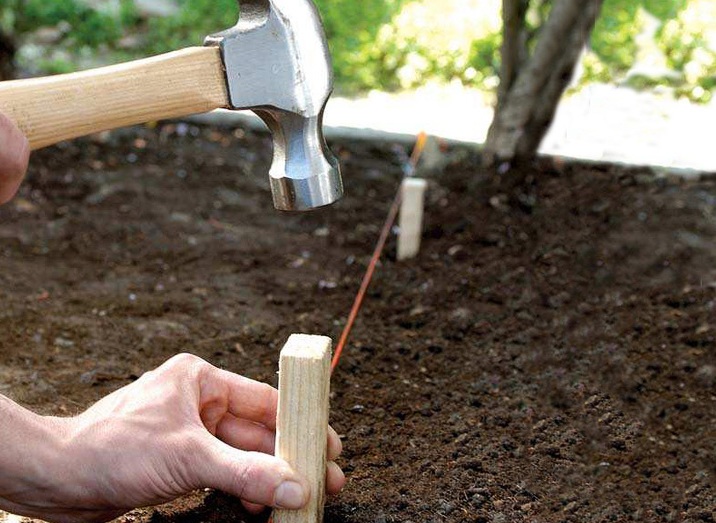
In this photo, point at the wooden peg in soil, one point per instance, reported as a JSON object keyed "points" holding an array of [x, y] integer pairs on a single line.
{"points": [[302, 419], [411, 217]]}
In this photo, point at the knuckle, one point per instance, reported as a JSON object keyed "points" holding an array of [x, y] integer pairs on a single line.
{"points": [[184, 358], [175, 373], [186, 363]]}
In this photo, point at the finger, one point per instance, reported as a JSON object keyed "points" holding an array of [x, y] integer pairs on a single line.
{"points": [[252, 476], [335, 445], [14, 157], [253, 508], [246, 435], [242, 397], [335, 479]]}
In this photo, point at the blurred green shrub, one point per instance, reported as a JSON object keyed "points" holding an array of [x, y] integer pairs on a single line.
{"points": [[689, 43], [392, 44], [195, 20], [76, 27], [616, 30], [81, 24], [360, 61], [440, 40], [685, 38]]}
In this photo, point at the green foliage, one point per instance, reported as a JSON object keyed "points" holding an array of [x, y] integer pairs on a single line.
{"points": [[56, 66], [352, 28], [391, 44], [616, 30], [196, 19], [680, 46], [484, 60], [436, 40], [689, 43], [84, 25], [614, 34]]}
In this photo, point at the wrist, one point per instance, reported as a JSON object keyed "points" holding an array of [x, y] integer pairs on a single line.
{"points": [[32, 455]]}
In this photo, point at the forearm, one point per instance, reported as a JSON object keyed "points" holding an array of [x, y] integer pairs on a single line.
{"points": [[31, 447]]}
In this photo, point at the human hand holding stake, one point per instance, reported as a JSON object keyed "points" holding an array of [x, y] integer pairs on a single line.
{"points": [[14, 156], [183, 426]]}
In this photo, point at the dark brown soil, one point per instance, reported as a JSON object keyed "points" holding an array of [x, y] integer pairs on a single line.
{"points": [[550, 356]]}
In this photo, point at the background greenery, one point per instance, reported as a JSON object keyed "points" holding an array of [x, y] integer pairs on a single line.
{"points": [[387, 44]]}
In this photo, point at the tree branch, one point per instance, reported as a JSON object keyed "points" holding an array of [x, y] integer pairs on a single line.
{"points": [[514, 44]]}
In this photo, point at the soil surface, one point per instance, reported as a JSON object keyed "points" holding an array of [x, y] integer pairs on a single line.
{"points": [[549, 356]]}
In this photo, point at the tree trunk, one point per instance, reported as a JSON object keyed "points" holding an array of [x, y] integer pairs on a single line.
{"points": [[7, 57], [514, 45], [530, 101]]}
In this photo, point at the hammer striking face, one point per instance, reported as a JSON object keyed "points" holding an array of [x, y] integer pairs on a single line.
{"points": [[275, 61]]}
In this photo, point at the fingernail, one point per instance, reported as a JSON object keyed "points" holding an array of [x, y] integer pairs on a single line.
{"points": [[289, 494]]}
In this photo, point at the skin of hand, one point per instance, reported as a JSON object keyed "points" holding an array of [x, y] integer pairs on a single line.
{"points": [[183, 426], [14, 156]]}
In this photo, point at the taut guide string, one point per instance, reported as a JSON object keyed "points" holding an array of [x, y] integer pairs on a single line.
{"points": [[384, 233], [387, 226]]}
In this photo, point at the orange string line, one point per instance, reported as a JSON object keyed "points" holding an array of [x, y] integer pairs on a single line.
{"points": [[384, 233]]}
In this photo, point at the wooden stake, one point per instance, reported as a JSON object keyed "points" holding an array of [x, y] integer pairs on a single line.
{"points": [[411, 217], [302, 419]]}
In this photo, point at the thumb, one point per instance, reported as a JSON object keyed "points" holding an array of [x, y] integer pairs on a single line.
{"points": [[252, 476], [14, 157]]}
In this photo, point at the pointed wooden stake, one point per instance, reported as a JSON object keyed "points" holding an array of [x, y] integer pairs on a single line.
{"points": [[302, 419], [411, 217]]}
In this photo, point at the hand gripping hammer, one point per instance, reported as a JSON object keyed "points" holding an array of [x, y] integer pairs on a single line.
{"points": [[275, 61]]}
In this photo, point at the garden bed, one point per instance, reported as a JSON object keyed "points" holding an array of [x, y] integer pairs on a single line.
{"points": [[549, 356]]}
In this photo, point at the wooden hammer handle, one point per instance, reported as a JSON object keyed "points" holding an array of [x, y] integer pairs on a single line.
{"points": [[56, 108]]}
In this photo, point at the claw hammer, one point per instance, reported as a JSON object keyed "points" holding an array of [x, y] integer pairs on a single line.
{"points": [[274, 61]]}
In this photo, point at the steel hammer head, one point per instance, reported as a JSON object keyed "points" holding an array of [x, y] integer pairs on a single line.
{"points": [[277, 64]]}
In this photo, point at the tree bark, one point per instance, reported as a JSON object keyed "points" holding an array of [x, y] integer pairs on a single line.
{"points": [[514, 45], [530, 102]]}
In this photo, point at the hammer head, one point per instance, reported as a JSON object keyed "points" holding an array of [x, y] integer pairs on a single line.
{"points": [[277, 64]]}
